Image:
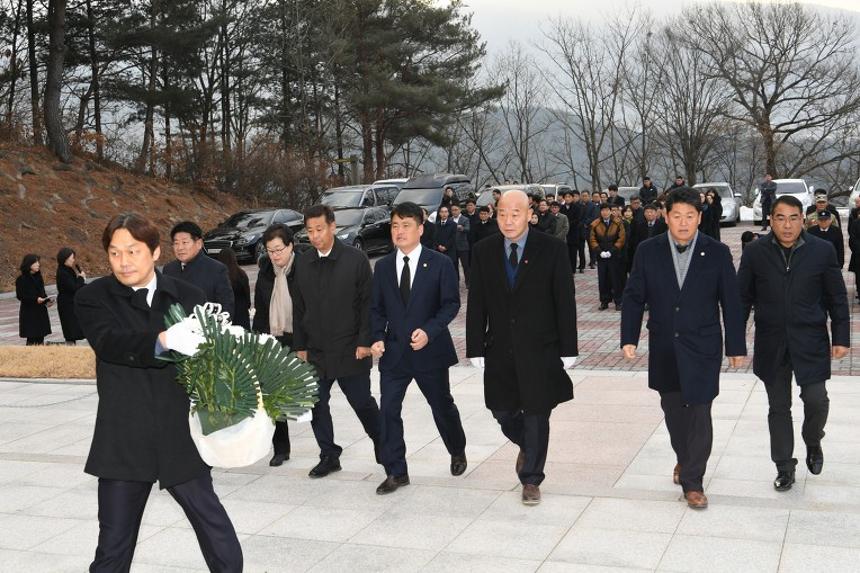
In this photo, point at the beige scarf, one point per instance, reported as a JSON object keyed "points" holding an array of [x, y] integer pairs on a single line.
{"points": [[281, 305]]}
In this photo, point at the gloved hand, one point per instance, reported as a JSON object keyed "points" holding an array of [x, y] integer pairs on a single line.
{"points": [[605, 255], [568, 361], [478, 362], [181, 338]]}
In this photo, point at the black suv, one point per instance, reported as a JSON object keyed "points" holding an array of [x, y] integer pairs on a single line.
{"points": [[242, 232], [427, 191]]}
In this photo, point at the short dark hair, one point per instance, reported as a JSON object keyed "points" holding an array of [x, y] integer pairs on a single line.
{"points": [[499, 191], [570, 192], [555, 204], [684, 195], [189, 227], [646, 178], [635, 198], [652, 206], [409, 210], [319, 210], [789, 200], [604, 206], [679, 177], [140, 228], [483, 209], [277, 231], [612, 187], [470, 200], [64, 254], [27, 262]]}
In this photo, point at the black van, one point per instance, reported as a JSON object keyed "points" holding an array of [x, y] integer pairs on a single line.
{"points": [[427, 190]]}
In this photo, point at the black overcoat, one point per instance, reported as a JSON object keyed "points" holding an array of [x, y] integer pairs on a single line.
{"points": [[33, 320], [141, 431], [208, 275], [331, 309], [68, 284], [854, 244], [263, 293], [685, 339], [792, 302], [522, 332]]}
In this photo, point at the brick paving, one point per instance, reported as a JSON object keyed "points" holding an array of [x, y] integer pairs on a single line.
{"points": [[598, 331]]}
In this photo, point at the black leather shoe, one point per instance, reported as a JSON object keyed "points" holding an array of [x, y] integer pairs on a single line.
{"points": [[458, 465], [603, 306], [278, 459], [391, 484], [814, 459], [326, 466], [618, 306], [784, 480]]}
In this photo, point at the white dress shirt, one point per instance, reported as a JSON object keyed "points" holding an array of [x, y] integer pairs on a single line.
{"points": [[413, 255], [150, 286]]}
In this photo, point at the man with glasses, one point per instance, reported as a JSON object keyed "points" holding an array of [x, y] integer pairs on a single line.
{"points": [[794, 282]]}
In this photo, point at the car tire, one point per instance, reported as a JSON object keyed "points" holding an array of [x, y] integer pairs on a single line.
{"points": [[359, 244]]}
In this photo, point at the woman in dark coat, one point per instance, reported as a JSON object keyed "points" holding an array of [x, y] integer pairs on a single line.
{"points": [[70, 278], [278, 240], [711, 216], [33, 321], [241, 288]]}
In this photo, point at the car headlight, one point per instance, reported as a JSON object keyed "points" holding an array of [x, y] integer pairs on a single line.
{"points": [[343, 236], [247, 239]]}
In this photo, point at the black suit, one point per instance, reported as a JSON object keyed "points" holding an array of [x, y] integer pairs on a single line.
{"points": [[141, 432], [793, 295], [685, 339], [482, 230], [522, 322], [433, 303], [832, 235], [331, 318], [446, 236], [208, 275]]}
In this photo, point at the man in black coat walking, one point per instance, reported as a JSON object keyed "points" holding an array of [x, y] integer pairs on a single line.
{"points": [[648, 193], [141, 432], [446, 237], [521, 331], [794, 283], [685, 278], [486, 226], [574, 210], [331, 330], [194, 266]]}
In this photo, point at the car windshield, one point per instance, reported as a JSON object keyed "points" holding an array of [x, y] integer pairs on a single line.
{"points": [[791, 187], [342, 198], [420, 196], [249, 220], [348, 217]]}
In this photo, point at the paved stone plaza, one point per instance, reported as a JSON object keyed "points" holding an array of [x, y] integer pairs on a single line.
{"points": [[609, 502]]}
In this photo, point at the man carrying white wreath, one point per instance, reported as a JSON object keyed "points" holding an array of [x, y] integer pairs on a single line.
{"points": [[141, 432]]}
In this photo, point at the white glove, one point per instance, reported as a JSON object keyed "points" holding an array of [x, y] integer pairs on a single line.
{"points": [[605, 255], [568, 361], [181, 338], [478, 362]]}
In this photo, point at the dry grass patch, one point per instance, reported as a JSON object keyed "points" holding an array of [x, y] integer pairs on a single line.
{"points": [[47, 362]]}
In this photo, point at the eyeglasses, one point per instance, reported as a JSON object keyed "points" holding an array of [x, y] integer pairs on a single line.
{"points": [[277, 251]]}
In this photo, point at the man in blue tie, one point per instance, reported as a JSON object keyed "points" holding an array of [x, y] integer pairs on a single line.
{"points": [[521, 332], [415, 297]]}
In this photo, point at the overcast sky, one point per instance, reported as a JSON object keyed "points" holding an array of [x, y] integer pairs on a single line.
{"points": [[499, 21]]}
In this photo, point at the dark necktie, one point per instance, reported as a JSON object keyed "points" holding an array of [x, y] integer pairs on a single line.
{"points": [[405, 279], [681, 248], [513, 256]]}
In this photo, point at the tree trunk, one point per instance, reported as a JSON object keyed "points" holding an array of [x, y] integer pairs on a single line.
{"points": [[380, 145], [57, 140], [338, 132], [168, 147], [34, 76], [367, 147], [226, 111], [13, 66], [94, 84]]}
